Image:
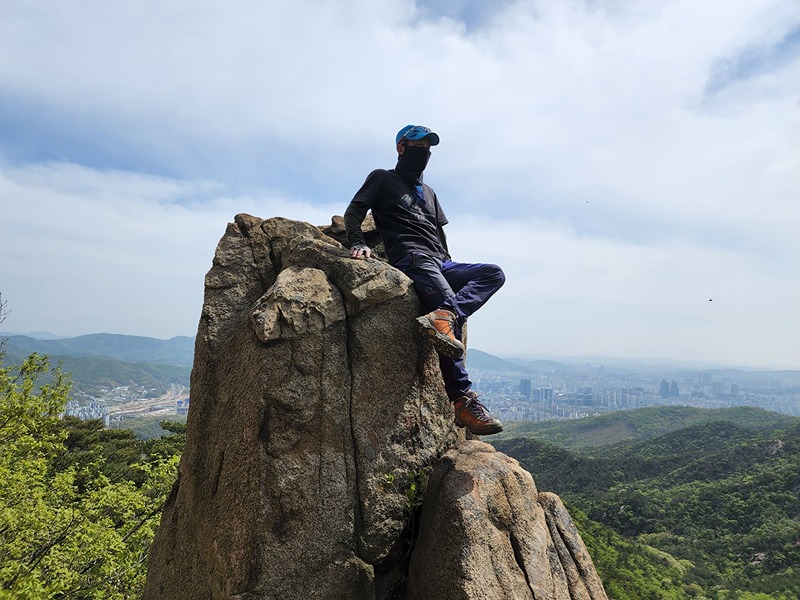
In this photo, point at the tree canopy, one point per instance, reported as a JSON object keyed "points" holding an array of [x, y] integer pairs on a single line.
{"points": [[78, 504]]}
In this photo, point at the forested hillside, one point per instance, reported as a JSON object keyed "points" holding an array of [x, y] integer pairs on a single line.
{"points": [[712, 506], [79, 504], [642, 424], [103, 360]]}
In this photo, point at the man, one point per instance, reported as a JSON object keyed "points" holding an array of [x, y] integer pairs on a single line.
{"points": [[410, 221]]}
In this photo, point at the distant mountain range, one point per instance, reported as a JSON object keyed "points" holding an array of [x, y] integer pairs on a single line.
{"points": [[107, 359], [180, 351], [483, 360], [129, 348]]}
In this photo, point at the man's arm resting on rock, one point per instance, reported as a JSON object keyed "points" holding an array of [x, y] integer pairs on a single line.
{"points": [[353, 217]]}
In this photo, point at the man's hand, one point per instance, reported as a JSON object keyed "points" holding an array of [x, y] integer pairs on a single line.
{"points": [[360, 250]]}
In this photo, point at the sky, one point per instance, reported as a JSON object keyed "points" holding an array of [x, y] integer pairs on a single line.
{"points": [[634, 167]]}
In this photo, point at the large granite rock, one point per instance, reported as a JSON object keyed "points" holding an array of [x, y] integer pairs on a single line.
{"points": [[316, 410], [314, 405], [487, 533]]}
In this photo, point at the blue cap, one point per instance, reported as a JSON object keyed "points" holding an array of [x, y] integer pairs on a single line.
{"points": [[416, 132]]}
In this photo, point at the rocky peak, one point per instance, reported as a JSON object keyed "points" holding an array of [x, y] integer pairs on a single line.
{"points": [[317, 415]]}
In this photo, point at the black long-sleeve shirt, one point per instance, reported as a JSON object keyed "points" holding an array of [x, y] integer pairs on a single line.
{"points": [[404, 223]]}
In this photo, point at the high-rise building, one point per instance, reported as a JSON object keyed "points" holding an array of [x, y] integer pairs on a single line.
{"points": [[525, 388]]}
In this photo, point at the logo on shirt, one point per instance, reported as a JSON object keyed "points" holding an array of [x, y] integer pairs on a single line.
{"points": [[415, 208]]}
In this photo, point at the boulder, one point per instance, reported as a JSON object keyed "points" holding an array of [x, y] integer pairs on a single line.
{"points": [[486, 532]]}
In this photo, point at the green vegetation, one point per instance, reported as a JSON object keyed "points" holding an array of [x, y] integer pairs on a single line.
{"points": [[642, 424], [709, 510], [78, 504], [90, 375], [631, 570], [413, 487], [103, 361], [148, 427], [93, 374]]}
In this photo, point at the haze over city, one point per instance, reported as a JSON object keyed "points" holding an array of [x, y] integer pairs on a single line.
{"points": [[633, 167]]}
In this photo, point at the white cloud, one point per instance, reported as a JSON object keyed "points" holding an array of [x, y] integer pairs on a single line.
{"points": [[612, 298], [88, 251], [608, 140]]}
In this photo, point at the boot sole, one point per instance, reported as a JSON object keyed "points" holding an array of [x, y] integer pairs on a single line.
{"points": [[441, 342], [488, 431]]}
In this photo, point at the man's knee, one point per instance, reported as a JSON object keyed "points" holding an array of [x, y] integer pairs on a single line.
{"points": [[496, 275]]}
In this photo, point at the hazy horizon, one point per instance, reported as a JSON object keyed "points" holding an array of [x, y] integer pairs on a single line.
{"points": [[573, 358]]}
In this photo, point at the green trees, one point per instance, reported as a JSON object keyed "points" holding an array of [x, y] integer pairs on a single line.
{"points": [[77, 513], [710, 510]]}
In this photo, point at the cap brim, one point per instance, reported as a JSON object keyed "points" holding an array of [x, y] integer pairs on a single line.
{"points": [[432, 137]]}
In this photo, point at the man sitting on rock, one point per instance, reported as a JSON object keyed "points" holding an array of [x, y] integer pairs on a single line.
{"points": [[410, 221]]}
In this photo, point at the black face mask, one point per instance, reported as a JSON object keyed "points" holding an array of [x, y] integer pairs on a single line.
{"points": [[414, 160]]}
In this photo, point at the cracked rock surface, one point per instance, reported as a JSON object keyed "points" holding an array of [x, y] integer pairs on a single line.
{"points": [[309, 387], [315, 405]]}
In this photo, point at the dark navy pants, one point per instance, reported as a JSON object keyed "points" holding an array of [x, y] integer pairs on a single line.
{"points": [[461, 288]]}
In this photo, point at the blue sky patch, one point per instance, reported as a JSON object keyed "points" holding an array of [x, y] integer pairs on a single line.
{"points": [[754, 61], [474, 14]]}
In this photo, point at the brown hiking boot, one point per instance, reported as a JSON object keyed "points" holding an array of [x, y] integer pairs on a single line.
{"points": [[470, 413], [439, 326]]}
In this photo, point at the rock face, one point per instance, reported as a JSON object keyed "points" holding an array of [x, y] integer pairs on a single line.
{"points": [[313, 406], [316, 410], [487, 533]]}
